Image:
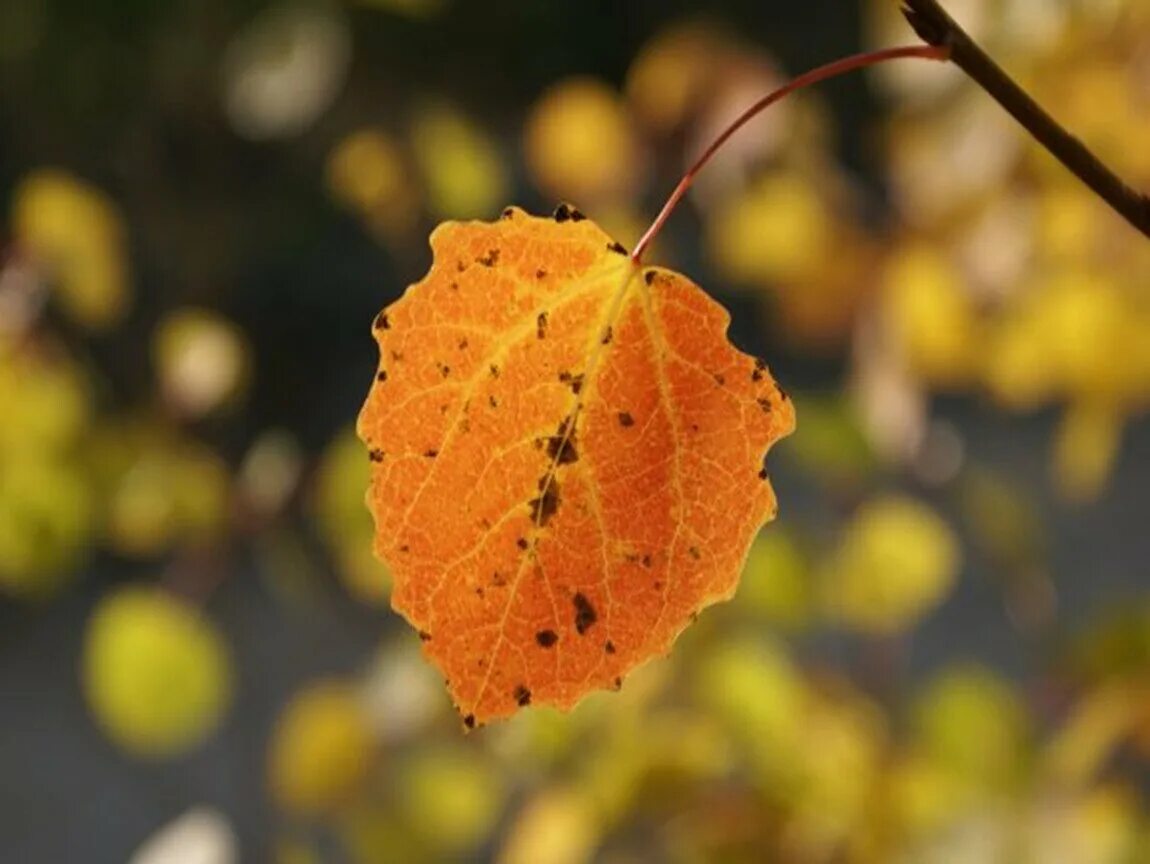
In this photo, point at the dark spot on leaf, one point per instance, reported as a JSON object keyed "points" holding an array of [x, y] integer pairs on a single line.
{"points": [[645, 561], [498, 579], [540, 273], [561, 445], [782, 393], [444, 369], [720, 379], [649, 276], [695, 553], [608, 335], [381, 322], [545, 506], [469, 721], [546, 638], [479, 592], [618, 683], [508, 213], [493, 370], [375, 455], [462, 345], [430, 454], [460, 266], [424, 636], [616, 247], [381, 375], [657, 584], [396, 356], [760, 368], [522, 696], [609, 647], [404, 548], [585, 614], [765, 404], [490, 259], [454, 285], [626, 420], [541, 325], [574, 381], [464, 426], [492, 401], [565, 211], [521, 542]]}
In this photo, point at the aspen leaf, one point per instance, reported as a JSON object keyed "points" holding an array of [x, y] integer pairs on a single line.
{"points": [[567, 459]]}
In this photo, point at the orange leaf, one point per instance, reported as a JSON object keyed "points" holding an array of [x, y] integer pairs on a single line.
{"points": [[567, 459]]}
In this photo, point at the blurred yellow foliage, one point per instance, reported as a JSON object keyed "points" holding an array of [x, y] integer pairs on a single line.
{"points": [[77, 233], [452, 796], [463, 170], [896, 561], [161, 488], [579, 144], [1103, 718], [47, 509], [322, 751], [756, 692], [1015, 364], [46, 399], [671, 74], [372, 832], [368, 173], [556, 826], [1101, 825], [156, 673], [971, 724], [1086, 448], [344, 520], [46, 514], [833, 447], [776, 580], [841, 750], [779, 231], [931, 314], [919, 797]]}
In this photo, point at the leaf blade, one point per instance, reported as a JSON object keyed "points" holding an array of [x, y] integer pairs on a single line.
{"points": [[559, 512]]}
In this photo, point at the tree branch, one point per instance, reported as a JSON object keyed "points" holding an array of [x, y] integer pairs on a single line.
{"points": [[935, 27]]}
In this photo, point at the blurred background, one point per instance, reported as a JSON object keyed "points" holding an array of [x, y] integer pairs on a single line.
{"points": [[940, 652]]}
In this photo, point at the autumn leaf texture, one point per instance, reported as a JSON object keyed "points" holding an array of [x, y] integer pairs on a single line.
{"points": [[567, 459]]}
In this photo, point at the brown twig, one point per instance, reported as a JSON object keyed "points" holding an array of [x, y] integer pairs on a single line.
{"points": [[935, 27], [823, 73]]}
